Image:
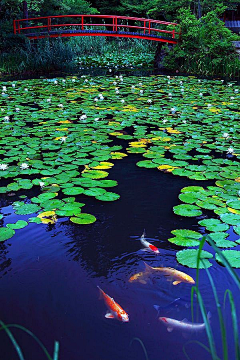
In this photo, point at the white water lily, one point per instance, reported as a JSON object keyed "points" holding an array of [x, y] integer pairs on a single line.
{"points": [[133, 87], [114, 83], [230, 150], [83, 117], [182, 89], [117, 91], [149, 101], [13, 85], [168, 76], [25, 89], [184, 121], [122, 101], [232, 98], [170, 94], [73, 80], [4, 88], [6, 118], [173, 110], [63, 139], [141, 92], [3, 166], [140, 84], [226, 135], [164, 121], [60, 105], [17, 109], [41, 184], [55, 82], [24, 166], [110, 70], [86, 80], [236, 90], [201, 94], [209, 105], [96, 119], [96, 99], [48, 100]]}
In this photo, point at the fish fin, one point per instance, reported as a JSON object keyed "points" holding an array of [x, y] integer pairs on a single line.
{"points": [[169, 329], [147, 267], [143, 282], [176, 282], [209, 315], [158, 308], [143, 234], [109, 316], [101, 292]]}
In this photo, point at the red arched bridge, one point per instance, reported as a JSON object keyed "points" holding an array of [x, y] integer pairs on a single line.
{"points": [[96, 25]]}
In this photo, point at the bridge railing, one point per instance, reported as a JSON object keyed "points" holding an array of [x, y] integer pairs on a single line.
{"points": [[91, 22]]}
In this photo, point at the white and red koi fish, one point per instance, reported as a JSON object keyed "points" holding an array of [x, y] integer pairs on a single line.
{"points": [[147, 244], [182, 325], [115, 310]]}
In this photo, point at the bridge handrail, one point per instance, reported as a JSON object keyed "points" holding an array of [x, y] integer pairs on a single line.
{"points": [[115, 25]]}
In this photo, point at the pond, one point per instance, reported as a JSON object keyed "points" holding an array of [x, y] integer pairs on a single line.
{"points": [[87, 165]]}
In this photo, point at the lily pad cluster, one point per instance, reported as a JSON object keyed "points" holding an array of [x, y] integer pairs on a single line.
{"points": [[60, 138]]}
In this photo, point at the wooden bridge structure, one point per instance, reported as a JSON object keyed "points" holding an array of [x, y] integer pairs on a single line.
{"points": [[97, 25]]}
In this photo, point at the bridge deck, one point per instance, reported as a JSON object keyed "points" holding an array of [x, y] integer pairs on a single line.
{"points": [[67, 33], [85, 25]]}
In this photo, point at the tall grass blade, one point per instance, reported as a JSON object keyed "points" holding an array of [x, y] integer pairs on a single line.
{"points": [[56, 350], [197, 342], [33, 336], [207, 325], [220, 316], [15, 344], [234, 321], [142, 345]]}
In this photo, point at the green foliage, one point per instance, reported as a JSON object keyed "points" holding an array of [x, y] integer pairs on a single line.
{"points": [[205, 46]]}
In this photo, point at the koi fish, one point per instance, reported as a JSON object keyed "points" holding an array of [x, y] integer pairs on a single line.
{"points": [[115, 310], [183, 325], [179, 276], [147, 244], [177, 303]]}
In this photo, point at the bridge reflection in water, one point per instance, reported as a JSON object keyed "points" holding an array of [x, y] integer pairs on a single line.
{"points": [[97, 25]]}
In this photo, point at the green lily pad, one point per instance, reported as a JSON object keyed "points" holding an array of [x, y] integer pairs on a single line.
{"points": [[95, 174], [146, 164], [36, 220], [234, 204], [6, 233], [188, 257], [27, 209], [108, 196], [94, 191], [20, 224], [83, 218], [233, 257], [187, 210], [73, 190], [231, 219]]}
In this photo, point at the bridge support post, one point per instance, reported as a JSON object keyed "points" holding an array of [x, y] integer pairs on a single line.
{"points": [[160, 54]]}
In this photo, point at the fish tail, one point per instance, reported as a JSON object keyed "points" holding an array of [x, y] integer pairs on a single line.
{"points": [[143, 234], [209, 315], [158, 308]]}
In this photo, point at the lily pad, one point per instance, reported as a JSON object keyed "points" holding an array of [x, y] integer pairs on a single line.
{"points": [[83, 219], [231, 219], [6, 233], [20, 224], [187, 210], [233, 257], [188, 257], [77, 190], [27, 209]]}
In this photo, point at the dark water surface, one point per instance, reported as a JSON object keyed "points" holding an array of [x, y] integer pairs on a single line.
{"points": [[49, 277]]}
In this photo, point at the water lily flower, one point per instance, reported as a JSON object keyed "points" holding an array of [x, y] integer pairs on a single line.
{"points": [[236, 90], [96, 99], [226, 135], [55, 82], [164, 121], [110, 70], [140, 84], [201, 94], [180, 82], [101, 97], [133, 87], [13, 85], [168, 76], [63, 80], [170, 94], [4, 88], [173, 110], [149, 101], [182, 89], [122, 101], [83, 117], [24, 166], [6, 118], [73, 80], [184, 121], [86, 80], [17, 109], [96, 119], [48, 100], [3, 166], [41, 184], [114, 83], [232, 98], [60, 105], [141, 92], [209, 105], [230, 84], [230, 150], [117, 91], [25, 89], [63, 139]]}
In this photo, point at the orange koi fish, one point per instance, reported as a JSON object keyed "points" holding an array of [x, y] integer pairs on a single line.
{"points": [[179, 276], [115, 310], [147, 244]]}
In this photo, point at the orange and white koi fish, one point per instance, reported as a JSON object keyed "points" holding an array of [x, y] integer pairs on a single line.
{"points": [[147, 244], [115, 310], [183, 325], [179, 276]]}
